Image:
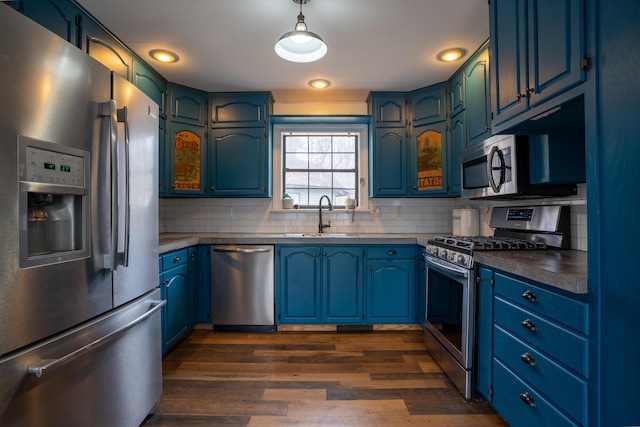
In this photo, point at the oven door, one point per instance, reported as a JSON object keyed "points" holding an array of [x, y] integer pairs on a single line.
{"points": [[450, 309]]}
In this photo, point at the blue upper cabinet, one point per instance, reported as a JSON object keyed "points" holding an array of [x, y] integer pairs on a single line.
{"points": [[537, 51], [428, 105], [188, 105], [96, 41], [58, 16], [477, 96], [389, 162], [151, 83], [429, 160], [388, 109], [248, 109], [238, 162], [184, 160], [456, 93], [457, 142]]}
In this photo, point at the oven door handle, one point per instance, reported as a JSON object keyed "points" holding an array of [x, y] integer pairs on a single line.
{"points": [[459, 271]]}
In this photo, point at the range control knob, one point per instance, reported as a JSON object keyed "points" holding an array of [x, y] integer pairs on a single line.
{"points": [[443, 253], [433, 250], [461, 259]]}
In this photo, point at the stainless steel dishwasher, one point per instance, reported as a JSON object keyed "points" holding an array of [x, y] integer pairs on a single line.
{"points": [[242, 288]]}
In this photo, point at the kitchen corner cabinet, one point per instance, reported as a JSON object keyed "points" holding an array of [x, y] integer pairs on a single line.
{"points": [[537, 50], [390, 286], [174, 288], [429, 156], [185, 160], [538, 341], [187, 105], [319, 284]]}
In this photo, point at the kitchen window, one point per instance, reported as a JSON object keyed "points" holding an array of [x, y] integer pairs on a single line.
{"points": [[313, 159], [315, 164]]}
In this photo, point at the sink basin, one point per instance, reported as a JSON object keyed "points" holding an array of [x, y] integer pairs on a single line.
{"points": [[310, 235]]}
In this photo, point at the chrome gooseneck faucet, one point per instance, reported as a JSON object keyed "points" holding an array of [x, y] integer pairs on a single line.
{"points": [[322, 226]]}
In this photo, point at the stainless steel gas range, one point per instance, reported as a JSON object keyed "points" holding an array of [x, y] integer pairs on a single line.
{"points": [[451, 288]]}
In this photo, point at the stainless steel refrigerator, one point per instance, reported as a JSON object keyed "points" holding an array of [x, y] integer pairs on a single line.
{"points": [[80, 340]]}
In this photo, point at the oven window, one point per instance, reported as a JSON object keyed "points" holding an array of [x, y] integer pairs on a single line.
{"points": [[474, 173], [444, 306]]}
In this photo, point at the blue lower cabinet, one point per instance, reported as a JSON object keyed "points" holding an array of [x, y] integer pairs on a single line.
{"points": [[342, 297], [298, 276], [203, 296]]}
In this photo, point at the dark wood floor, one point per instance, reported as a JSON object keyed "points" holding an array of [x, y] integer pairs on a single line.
{"points": [[382, 378]]}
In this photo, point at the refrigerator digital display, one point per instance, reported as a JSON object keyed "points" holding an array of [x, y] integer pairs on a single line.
{"points": [[65, 168], [50, 166]]}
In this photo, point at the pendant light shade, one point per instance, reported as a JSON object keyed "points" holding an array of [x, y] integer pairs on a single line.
{"points": [[301, 45]]}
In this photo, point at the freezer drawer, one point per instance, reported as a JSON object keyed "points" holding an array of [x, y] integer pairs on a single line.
{"points": [[106, 372], [242, 287]]}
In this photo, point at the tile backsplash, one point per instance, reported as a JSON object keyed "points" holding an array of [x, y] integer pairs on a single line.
{"points": [[406, 215]]}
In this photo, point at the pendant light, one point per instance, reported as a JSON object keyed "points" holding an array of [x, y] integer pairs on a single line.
{"points": [[301, 45]]}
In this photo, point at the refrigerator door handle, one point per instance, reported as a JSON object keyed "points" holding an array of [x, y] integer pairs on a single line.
{"points": [[110, 261], [123, 258], [39, 368]]}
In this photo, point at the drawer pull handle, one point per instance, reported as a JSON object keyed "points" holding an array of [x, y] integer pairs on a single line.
{"points": [[529, 324], [527, 358], [528, 399], [530, 296], [391, 252], [176, 259]]}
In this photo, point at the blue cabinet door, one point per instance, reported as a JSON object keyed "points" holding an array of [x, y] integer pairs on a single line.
{"points": [[342, 298], [388, 109], [192, 285], [298, 279], [238, 162], [185, 159], [429, 157], [187, 105], [477, 99], [458, 142], [244, 110], [428, 105], [484, 334], [508, 20], [204, 284], [96, 41], [58, 16], [456, 93], [389, 158], [176, 311], [555, 47], [151, 83], [391, 291]]}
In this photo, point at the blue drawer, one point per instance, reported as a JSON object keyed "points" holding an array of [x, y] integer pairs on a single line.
{"points": [[507, 400], [562, 344], [174, 258], [562, 387], [391, 252], [565, 310]]}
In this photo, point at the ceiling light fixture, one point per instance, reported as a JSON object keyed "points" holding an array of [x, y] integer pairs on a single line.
{"points": [[163, 55], [319, 83], [449, 55], [301, 45]]}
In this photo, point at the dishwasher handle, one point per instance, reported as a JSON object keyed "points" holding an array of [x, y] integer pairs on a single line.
{"points": [[236, 249]]}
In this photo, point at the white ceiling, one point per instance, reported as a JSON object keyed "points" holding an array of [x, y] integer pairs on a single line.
{"points": [[228, 45]]}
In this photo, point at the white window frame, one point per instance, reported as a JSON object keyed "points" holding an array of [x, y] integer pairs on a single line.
{"points": [[362, 130]]}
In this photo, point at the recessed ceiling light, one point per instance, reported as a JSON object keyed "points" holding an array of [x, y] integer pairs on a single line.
{"points": [[163, 55], [453, 54], [319, 83]]}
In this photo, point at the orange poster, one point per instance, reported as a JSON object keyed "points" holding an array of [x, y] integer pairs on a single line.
{"points": [[187, 161], [430, 160]]}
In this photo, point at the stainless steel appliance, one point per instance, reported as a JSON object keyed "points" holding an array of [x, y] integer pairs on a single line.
{"points": [[242, 288], [451, 294], [499, 168], [79, 311]]}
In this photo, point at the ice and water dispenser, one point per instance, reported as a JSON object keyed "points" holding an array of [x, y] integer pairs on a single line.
{"points": [[53, 203]]}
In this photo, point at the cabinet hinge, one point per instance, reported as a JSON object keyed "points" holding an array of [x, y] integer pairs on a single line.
{"points": [[585, 64]]}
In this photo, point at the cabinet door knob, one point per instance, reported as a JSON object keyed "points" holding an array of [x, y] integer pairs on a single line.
{"points": [[530, 296], [528, 399], [528, 359], [530, 325], [212, 188]]}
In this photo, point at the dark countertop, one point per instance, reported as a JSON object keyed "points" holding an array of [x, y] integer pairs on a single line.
{"points": [[563, 269]]}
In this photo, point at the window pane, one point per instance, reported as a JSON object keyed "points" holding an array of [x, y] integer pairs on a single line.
{"points": [[320, 144], [344, 143], [344, 161], [296, 144], [344, 180], [297, 161], [320, 161]]}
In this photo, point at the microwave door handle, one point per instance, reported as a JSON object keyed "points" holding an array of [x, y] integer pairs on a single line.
{"points": [[490, 169], [110, 134], [123, 117]]}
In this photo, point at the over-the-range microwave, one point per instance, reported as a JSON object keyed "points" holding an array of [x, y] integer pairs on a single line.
{"points": [[499, 167]]}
